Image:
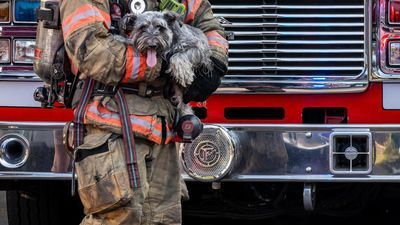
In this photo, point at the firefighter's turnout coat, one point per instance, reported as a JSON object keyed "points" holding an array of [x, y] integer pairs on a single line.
{"points": [[95, 53]]}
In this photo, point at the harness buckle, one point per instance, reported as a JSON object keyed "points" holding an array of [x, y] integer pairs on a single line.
{"points": [[142, 90], [102, 89]]}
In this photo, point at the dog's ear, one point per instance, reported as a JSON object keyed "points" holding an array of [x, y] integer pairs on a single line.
{"points": [[127, 23], [171, 17]]}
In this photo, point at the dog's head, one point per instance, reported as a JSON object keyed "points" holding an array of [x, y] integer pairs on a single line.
{"points": [[151, 33]]}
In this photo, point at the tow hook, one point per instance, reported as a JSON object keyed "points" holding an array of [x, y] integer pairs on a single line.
{"points": [[309, 194]]}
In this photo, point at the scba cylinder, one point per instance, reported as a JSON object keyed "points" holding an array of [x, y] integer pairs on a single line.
{"points": [[49, 39]]}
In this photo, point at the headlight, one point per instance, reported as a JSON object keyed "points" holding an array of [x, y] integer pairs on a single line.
{"points": [[24, 51], [388, 39], [394, 12], [4, 11], [394, 53], [4, 51], [25, 11]]}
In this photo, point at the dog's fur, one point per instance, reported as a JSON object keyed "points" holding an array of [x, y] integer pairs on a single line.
{"points": [[185, 47]]}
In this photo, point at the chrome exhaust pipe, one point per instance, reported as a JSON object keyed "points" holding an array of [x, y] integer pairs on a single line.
{"points": [[14, 151]]}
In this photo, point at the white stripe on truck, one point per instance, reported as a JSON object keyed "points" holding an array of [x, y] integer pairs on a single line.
{"points": [[18, 93]]}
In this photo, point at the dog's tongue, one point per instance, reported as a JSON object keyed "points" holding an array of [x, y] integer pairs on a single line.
{"points": [[151, 58]]}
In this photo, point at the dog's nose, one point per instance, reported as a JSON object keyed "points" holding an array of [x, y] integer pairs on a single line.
{"points": [[152, 46]]}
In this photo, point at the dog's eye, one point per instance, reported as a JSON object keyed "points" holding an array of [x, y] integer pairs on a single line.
{"points": [[160, 27]]}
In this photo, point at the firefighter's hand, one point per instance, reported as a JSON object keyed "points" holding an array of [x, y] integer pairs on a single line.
{"points": [[205, 83]]}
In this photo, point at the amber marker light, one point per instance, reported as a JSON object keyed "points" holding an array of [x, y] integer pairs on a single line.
{"points": [[4, 11]]}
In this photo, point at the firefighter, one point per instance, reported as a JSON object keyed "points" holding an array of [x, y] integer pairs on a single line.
{"points": [[104, 182]]}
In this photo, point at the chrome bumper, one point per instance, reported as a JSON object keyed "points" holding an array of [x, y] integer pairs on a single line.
{"points": [[265, 153], [300, 153]]}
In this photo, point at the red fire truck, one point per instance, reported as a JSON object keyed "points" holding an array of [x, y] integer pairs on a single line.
{"points": [[311, 104]]}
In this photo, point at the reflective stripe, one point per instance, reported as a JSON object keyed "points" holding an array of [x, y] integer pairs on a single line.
{"points": [[192, 6], [84, 15], [135, 66], [170, 136], [115, 116], [147, 126], [214, 38], [129, 64]]}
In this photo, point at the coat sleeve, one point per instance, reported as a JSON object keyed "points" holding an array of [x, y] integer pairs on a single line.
{"points": [[94, 52], [199, 14]]}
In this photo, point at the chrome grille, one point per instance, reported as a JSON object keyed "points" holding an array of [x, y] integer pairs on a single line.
{"points": [[294, 40]]}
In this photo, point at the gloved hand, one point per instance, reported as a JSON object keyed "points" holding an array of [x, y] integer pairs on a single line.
{"points": [[205, 83]]}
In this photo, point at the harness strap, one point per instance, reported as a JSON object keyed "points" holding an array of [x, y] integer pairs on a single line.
{"points": [[78, 127], [129, 140], [128, 137], [87, 91]]}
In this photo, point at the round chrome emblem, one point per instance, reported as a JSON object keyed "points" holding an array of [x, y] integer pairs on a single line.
{"points": [[351, 153], [137, 6], [207, 154], [211, 156]]}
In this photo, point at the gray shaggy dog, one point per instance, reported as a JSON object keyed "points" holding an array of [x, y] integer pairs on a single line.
{"points": [[164, 35]]}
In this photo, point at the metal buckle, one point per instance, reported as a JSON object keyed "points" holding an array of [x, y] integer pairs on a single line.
{"points": [[103, 89]]}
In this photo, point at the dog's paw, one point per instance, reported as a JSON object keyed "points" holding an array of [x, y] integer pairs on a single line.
{"points": [[182, 77], [181, 71]]}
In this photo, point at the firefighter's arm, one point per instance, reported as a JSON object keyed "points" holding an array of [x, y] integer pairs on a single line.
{"points": [[94, 51], [199, 14]]}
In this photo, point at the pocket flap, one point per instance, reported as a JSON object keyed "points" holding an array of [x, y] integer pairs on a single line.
{"points": [[93, 141], [141, 106]]}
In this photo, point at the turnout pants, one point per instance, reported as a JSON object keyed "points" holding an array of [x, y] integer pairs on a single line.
{"points": [[103, 183]]}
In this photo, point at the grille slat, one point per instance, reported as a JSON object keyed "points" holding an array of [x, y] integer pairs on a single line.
{"points": [[216, 7], [321, 42], [296, 59], [276, 33], [247, 25], [296, 51], [234, 15], [255, 68], [286, 39]]}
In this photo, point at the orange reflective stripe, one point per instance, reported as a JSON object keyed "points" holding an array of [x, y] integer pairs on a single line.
{"points": [[170, 135], [110, 121], [191, 9], [82, 16], [142, 68], [129, 64], [136, 66], [146, 126], [214, 38]]}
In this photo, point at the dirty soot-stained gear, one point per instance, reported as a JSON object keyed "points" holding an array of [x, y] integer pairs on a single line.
{"points": [[95, 53]]}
